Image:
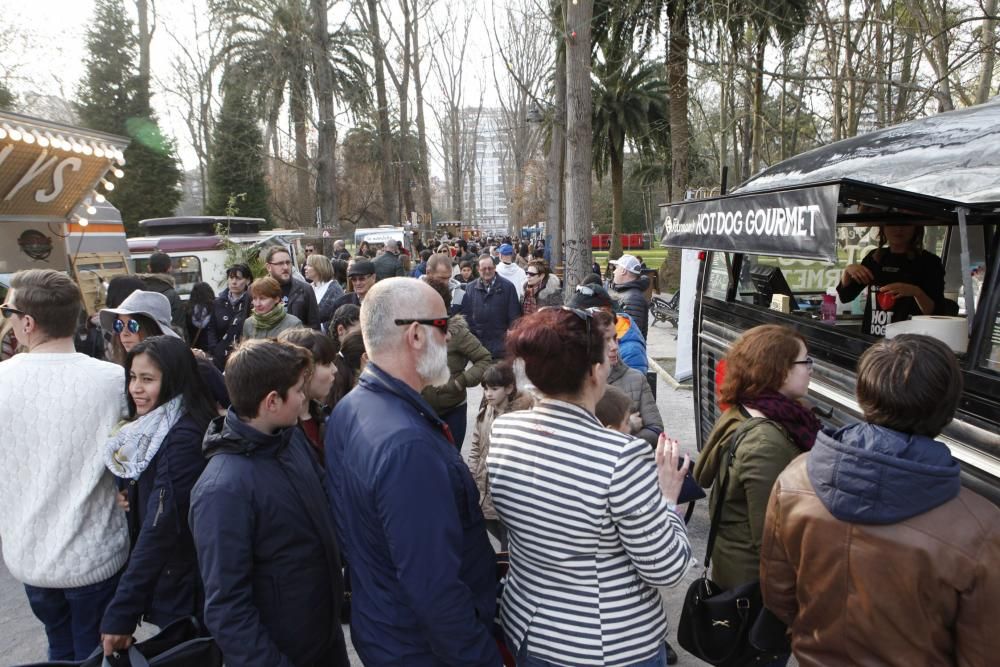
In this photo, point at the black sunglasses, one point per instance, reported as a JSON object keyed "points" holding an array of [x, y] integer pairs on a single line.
{"points": [[440, 323], [11, 310], [119, 326], [533, 273]]}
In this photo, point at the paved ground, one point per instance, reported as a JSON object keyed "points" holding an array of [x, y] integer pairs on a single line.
{"points": [[22, 638]]}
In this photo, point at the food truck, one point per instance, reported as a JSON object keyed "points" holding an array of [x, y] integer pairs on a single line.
{"points": [[53, 211], [769, 251], [202, 247]]}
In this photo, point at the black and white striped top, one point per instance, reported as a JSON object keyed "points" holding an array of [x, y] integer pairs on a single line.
{"points": [[590, 537]]}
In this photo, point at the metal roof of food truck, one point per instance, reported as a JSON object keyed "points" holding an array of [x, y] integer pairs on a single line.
{"points": [[953, 155], [194, 243]]}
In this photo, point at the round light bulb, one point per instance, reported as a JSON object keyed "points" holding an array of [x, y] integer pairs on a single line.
{"points": [[42, 141], [99, 198], [118, 173], [91, 210], [98, 152], [108, 185], [3, 133], [15, 135], [83, 222]]}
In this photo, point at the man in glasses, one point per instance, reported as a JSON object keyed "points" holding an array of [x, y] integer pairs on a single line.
{"points": [[298, 297], [360, 279], [490, 306], [63, 536], [422, 568]]}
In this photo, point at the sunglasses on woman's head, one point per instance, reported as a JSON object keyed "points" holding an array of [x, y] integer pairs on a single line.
{"points": [[582, 314], [132, 325]]}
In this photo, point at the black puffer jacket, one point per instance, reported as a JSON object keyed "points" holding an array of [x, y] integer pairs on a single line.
{"points": [[631, 297], [228, 320]]}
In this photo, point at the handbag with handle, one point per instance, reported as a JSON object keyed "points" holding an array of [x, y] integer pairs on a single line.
{"points": [[182, 643], [729, 628]]}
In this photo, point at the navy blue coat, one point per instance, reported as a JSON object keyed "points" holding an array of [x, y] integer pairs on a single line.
{"points": [[161, 582], [491, 313], [407, 512], [267, 550], [228, 319]]}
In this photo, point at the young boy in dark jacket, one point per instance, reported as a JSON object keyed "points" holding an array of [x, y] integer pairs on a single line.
{"points": [[262, 527]]}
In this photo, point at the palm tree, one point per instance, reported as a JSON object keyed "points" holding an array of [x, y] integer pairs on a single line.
{"points": [[630, 105], [273, 41]]}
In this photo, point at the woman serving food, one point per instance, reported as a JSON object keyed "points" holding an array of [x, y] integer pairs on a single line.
{"points": [[903, 279]]}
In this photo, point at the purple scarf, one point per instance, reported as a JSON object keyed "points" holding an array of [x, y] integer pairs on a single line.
{"points": [[798, 420]]}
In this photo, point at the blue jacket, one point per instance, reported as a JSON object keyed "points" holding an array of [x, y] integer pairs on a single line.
{"points": [[161, 582], [267, 549], [873, 475], [490, 313], [632, 346], [407, 511]]}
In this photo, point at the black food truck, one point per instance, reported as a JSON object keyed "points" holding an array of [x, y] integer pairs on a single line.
{"points": [[775, 247]]}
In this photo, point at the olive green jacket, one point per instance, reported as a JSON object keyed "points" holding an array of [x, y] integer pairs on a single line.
{"points": [[463, 348], [762, 455]]}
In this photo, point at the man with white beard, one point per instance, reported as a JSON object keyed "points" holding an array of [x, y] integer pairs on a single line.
{"points": [[404, 502]]}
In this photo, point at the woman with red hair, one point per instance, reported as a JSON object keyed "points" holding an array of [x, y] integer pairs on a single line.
{"points": [[766, 371], [588, 510]]}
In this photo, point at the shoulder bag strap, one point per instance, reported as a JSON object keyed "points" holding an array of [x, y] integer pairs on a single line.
{"points": [[723, 481]]}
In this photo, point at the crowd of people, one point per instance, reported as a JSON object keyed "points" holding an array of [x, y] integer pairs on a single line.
{"points": [[287, 454]]}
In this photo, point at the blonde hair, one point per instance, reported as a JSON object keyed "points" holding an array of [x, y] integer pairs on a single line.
{"points": [[322, 266]]}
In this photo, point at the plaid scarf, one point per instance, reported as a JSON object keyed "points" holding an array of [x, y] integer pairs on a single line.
{"points": [[530, 305]]}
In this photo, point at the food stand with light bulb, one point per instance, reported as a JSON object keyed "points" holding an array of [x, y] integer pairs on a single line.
{"points": [[53, 208]]}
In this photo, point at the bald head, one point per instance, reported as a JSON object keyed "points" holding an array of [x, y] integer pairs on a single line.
{"points": [[391, 299], [439, 266]]}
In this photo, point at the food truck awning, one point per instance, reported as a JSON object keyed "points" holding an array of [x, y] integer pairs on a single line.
{"points": [[953, 155], [919, 172], [47, 168]]}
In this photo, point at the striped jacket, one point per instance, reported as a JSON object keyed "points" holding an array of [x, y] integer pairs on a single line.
{"points": [[590, 537]]}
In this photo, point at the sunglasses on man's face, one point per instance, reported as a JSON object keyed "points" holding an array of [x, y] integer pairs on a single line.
{"points": [[120, 326], [533, 273], [8, 311], [439, 323]]}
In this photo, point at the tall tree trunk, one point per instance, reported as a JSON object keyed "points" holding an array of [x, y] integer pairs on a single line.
{"points": [[989, 40], [423, 163], [145, 38], [680, 133], [579, 137], [326, 149], [298, 106], [757, 140], [384, 132], [616, 149], [555, 164], [456, 180]]}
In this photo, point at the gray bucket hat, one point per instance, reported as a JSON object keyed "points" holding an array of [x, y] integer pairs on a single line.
{"points": [[151, 304]]}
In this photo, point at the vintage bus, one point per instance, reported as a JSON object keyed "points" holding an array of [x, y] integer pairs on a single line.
{"points": [[793, 228]]}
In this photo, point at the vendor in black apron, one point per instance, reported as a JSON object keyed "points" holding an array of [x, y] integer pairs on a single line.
{"points": [[903, 279]]}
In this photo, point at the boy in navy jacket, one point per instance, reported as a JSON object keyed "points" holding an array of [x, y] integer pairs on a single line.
{"points": [[260, 516]]}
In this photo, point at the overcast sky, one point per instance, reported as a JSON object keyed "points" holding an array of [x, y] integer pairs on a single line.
{"points": [[49, 59]]}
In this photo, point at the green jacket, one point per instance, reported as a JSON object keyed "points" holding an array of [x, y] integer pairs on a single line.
{"points": [[761, 457], [463, 348]]}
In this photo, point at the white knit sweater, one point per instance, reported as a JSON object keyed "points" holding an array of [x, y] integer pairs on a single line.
{"points": [[58, 519]]}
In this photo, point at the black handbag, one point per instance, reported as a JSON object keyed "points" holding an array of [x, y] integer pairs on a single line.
{"points": [[181, 643], [729, 628]]}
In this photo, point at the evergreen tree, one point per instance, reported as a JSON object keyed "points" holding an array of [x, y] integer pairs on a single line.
{"points": [[6, 98], [236, 166], [111, 99]]}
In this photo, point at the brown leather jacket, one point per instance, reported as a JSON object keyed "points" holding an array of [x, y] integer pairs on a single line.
{"points": [[923, 591]]}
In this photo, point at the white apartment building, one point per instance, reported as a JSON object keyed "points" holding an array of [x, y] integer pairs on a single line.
{"points": [[485, 189]]}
